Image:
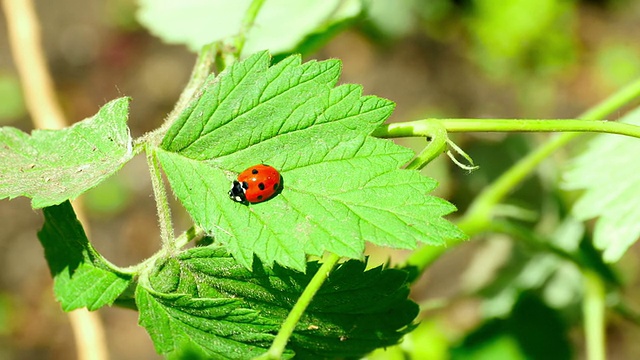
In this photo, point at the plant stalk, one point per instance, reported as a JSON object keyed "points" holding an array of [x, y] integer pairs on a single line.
{"points": [[427, 126], [286, 330], [478, 217], [162, 202], [247, 23], [526, 125], [593, 309]]}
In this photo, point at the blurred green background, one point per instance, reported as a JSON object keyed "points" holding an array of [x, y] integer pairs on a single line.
{"points": [[487, 299]]}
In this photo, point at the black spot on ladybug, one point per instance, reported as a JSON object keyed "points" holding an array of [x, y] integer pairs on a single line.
{"points": [[261, 186], [275, 186], [254, 171], [259, 197], [245, 185]]}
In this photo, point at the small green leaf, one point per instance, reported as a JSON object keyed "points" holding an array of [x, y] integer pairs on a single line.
{"points": [[607, 171], [204, 300], [279, 27], [341, 186], [52, 166], [82, 277]]}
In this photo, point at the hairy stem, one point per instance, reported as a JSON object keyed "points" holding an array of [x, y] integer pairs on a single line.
{"points": [[193, 233], [162, 202], [289, 325]]}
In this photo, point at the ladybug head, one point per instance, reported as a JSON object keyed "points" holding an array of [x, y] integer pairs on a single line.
{"points": [[238, 190]]}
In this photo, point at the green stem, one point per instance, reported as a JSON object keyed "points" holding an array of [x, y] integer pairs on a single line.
{"points": [[614, 102], [428, 126], [593, 308], [435, 133], [516, 174], [289, 325], [525, 125], [478, 216], [247, 23], [162, 202], [436, 146], [193, 233]]}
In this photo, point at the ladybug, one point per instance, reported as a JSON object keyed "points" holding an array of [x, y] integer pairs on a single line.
{"points": [[256, 184]]}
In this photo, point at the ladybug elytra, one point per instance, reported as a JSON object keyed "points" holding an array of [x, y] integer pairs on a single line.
{"points": [[256, 184]]}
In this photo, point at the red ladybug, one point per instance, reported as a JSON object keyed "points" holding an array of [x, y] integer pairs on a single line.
{"points": [[256, 184]]}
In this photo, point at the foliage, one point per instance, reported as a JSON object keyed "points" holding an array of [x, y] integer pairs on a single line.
{"points": [[257, 112], [617, 227], [264, 279], [82, 277], [281, 26], [203, 301], [51, 166]]}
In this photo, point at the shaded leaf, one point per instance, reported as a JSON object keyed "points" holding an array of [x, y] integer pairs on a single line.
{"points": [[82, 277], [203, 298]]}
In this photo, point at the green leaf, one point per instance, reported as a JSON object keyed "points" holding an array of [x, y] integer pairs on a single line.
{"points": [[82, 277], [215, 328], [52, 166], [279, 27], [341, 186], [204, 300], [607, 173]]}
